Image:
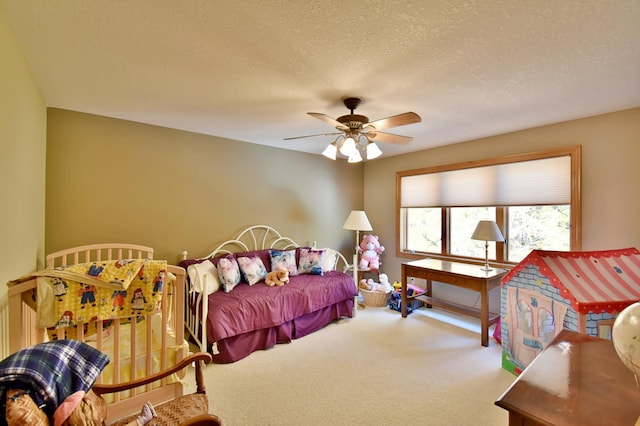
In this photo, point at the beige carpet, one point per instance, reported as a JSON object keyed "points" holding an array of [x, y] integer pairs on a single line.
{"points": [[374, 369]]}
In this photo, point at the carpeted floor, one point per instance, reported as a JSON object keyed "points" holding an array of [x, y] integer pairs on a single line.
{"points": [[374, 369]]}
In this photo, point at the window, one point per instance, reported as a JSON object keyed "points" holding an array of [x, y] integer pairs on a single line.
{"points": [[463, 221], [534, 198]]}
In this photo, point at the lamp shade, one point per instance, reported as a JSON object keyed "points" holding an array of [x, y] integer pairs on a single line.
{"points": [[373, 151], [357, 221], [330, 151], [348, 147], [487, 230], [355, 157]]}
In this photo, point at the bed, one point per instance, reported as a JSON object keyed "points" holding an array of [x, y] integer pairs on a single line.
{"points": [[138, 324], [233, 323]]}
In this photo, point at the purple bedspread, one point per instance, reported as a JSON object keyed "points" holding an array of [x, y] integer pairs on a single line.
{"points": [[248, 308]]}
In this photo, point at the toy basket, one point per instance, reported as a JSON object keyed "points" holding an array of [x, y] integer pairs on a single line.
{"points": [[374, 299]]}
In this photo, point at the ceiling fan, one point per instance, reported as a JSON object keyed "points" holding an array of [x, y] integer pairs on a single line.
{"points": [[357, 133]]}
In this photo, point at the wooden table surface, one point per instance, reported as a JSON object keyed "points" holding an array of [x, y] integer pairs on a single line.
{"points": [[576, 380]]}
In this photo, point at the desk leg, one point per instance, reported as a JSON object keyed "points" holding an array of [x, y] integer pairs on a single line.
{"points": [[517, 419], [484, 315], [429, 291], [403, 292]]}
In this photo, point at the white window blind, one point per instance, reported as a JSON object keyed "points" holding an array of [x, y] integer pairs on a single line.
{"points": [[544, 181]]}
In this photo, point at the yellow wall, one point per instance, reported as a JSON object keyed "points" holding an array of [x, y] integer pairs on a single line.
{"points": [[111, 180], [22, 171], [610, 175]]}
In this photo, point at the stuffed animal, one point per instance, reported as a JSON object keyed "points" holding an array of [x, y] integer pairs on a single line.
{"points": [[79, 409], [370, 250], [369, 285], [56, 378], [376, 286], [365, 284], [278, 277], [384, 283]]}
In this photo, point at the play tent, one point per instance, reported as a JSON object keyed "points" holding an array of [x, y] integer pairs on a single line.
{"points": [[551, 290]]}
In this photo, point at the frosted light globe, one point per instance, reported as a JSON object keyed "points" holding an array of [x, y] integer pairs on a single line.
{"points": [[626, 337]]}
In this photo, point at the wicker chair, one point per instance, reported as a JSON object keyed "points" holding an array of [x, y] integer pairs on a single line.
{"points": [[192, 409]]}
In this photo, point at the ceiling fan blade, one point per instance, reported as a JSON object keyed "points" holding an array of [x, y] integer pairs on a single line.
{"points": [[394, 121], [324, 117], [312, 136], [389, 138]]}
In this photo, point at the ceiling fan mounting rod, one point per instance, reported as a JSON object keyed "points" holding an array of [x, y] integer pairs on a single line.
{"points": [[352, 121], [352, 103]]}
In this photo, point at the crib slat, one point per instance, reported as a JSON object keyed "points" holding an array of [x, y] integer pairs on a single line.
{"points": [[149, 354]]}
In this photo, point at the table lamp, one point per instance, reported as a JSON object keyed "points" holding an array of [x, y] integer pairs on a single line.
{"points": [[487, 230]]}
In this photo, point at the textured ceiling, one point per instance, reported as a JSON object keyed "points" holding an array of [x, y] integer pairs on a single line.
{"points": [[251, 70]]}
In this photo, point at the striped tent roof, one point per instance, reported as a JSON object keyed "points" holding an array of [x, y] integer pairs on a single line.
{"points": [[592, 281]]}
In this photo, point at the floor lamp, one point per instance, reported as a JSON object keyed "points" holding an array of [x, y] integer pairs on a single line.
{"points": [[487, 230], [357, 221]]}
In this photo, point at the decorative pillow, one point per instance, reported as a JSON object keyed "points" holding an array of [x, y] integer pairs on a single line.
{"points": [[311, 262], [197, 273], [263, 254], [228, 272], [330, 259], [252, 268], [284, 259]]}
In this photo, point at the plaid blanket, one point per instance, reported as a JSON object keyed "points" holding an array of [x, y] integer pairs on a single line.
{"points": [[52, 371]]}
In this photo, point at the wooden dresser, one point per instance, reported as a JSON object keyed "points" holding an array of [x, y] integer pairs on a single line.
{"points": [[576, 380]]}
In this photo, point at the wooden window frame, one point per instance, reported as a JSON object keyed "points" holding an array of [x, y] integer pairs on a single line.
{"points": [[575, 154]]}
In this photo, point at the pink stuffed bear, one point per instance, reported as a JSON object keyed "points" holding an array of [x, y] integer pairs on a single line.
{"points": [[370, 250]]}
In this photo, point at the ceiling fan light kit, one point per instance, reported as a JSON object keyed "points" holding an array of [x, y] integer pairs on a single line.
{"points": [[330, 151], [373, 151], [348, 147], [357, 133], [355, 157]]}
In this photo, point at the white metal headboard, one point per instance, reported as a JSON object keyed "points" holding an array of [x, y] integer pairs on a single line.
{"points": [[257, 237], [260, 237]]}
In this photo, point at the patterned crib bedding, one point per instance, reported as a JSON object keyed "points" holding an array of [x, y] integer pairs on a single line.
{"points": [[104, 290]]}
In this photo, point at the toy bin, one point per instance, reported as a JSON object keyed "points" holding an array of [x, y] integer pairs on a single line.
{"points": [[374, 299]]}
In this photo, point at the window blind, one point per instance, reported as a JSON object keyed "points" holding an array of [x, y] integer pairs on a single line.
{"points": [[544, 181]]}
